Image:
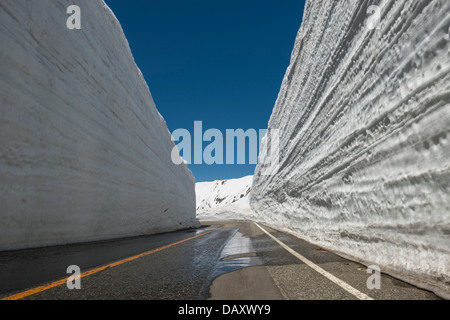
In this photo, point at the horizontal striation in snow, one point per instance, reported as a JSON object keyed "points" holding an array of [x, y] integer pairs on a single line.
{"points": [[364, 119], [84, 153]]}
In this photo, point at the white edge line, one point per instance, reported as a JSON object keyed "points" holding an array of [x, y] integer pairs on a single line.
{"points": [[326, 274]]}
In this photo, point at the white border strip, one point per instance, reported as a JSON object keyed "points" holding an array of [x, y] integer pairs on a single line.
{"points": [[358, 294]]}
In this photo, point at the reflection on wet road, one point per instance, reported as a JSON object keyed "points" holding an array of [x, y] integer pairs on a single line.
{"points": [[238, 253]]}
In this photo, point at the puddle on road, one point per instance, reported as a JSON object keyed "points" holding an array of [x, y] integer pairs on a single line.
{"points": [[203, 229], [238, 253]]}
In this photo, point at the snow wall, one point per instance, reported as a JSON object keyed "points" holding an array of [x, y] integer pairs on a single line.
{"points": [[84, 153], [364, 121]]}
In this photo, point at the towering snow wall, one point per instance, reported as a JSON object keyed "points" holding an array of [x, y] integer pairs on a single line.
{"points": [[364, 122], [84, 154]]}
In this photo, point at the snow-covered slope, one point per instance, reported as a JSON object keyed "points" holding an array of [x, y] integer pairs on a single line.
{"points": [[84, 154], [364, 120], [223, 199]]}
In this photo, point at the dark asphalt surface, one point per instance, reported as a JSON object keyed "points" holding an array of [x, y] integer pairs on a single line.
{"points": [[237, 261]]}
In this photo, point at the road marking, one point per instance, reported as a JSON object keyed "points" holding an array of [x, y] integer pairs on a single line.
{"points": [[358, 294], [30, 292]]}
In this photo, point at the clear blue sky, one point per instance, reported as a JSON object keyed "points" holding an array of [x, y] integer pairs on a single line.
{"points": [[220, 62]]}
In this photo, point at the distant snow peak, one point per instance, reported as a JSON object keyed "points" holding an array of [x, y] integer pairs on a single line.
{"points": [[220, 197]]}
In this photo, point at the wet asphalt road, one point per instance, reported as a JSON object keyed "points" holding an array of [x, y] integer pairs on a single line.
{"points": [[221, 260]]}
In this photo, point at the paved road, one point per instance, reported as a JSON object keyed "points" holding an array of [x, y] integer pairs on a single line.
{"points": [[221, 260]]}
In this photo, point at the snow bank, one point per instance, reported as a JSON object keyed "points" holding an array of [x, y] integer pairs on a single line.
{"points": [[84, 154], [364, 120], [224, 199]]}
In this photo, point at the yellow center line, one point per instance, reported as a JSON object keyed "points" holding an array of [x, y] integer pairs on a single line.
{"points": [[30, 292]]}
